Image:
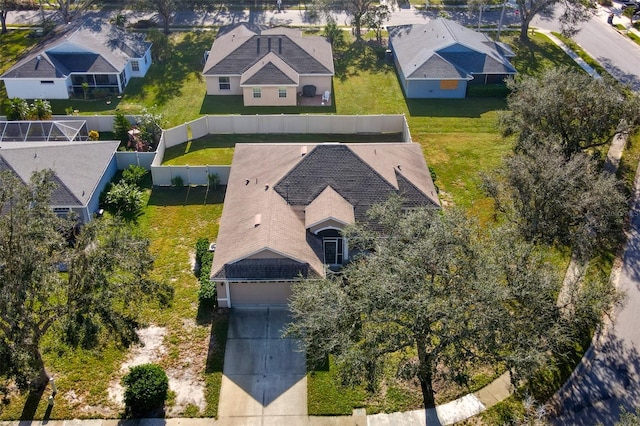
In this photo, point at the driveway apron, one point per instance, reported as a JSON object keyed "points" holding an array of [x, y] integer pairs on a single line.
{"points": [[264, 374]]}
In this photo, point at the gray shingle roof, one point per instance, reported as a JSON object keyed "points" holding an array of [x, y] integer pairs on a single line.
{"points": [[271, 185], [239, 47], [269, 74], [443, 49], [112, 46], [78, 166]]}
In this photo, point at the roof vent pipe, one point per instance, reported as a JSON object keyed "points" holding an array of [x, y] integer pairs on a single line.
{"points": [[280, 45], [303, 151], [257, 219], [269, 44], [258, 45]]}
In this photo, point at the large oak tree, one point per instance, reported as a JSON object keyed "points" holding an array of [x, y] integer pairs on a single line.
{"points": [[570, 106], [436, 293], [105, 283]]}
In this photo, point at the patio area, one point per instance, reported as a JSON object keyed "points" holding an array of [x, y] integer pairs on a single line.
{"points": [[313, 101]]}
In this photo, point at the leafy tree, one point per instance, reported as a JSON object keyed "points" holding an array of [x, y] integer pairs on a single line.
{"points": [[438, 295], [5, 7], [567, 105], [165, 8], [106, 279], [574, 12], [355, 9], [123, 199], [40, 110], [333, 33], [629, 12], [121, 127], [17, 109], [376, 17], [554, 200], [146, 388], [134, 174]]}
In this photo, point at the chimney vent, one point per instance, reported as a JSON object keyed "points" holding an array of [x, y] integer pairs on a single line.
{"points": [[269, 44], [257, 219], [303, 151], [258, 46], [280, 45]]}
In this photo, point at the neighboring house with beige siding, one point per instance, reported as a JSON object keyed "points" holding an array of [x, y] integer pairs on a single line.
{"points": [[287, 204], [267, 66]]}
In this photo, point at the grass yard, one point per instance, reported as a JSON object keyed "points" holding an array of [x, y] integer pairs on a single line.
{"points": [[218, 149], [173, 219]]}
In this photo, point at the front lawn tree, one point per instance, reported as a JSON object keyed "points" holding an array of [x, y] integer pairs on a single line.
{"points": [[5, 7], [355, 9], [105, 283], [553, 200], [165, 8], [572, 107], [419, 291], [573, 13], [439, 297]]}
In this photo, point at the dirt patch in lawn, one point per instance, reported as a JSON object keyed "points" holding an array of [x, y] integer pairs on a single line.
{"points": [[185, 376]]}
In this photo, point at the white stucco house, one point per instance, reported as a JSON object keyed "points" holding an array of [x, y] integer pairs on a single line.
{"points": [[102, 55], [267, 66]]}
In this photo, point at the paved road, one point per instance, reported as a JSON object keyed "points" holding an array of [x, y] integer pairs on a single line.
{"points": [[617, 53]]}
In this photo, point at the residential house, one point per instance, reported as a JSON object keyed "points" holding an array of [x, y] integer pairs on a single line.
{"points": [[440, 58], [286, 205], [267, 66], [81, 170], [97, 53]]}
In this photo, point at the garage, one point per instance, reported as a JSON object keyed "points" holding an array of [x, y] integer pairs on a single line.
{"points": [[251, 293]]}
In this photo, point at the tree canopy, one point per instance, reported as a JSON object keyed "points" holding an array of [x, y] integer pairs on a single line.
{"points": [[554, 200], [573, 12], [359, 11], [568, 106], [105, 282], [438, 294]]}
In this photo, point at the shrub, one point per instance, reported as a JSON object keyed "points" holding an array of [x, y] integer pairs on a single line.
{"points": [[202, 247], [123, 198], [16, 109], [121, 127], [40, 110], [146, 388], [177, 181], [133, 175], [94, 135], [207, 292]]}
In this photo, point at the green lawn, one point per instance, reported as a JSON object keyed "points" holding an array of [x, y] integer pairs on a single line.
{"points": [[13, 45], [459, 140], [218, 149]]}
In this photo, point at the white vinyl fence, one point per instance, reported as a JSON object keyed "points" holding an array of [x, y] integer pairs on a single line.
{"points": [[262, 124]]}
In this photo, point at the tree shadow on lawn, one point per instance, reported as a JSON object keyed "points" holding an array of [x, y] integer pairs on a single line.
{"points": [[463, 108], [539, 54], [355, 57], [186, 195], [167, 78], [221, 105]]}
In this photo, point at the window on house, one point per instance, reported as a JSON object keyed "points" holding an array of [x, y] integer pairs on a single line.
{"points": [[46, 81], [282, 92], [146, 60], [333, 250], [257, 92], [224, 83], [135, 66]]}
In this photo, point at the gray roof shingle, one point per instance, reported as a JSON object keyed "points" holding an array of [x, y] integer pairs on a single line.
{"points": [[443, 49], [110, 46], [239, 47], [269, 74]]}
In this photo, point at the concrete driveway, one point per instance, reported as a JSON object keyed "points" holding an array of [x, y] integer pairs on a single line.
{"points": [[264, 377]]}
